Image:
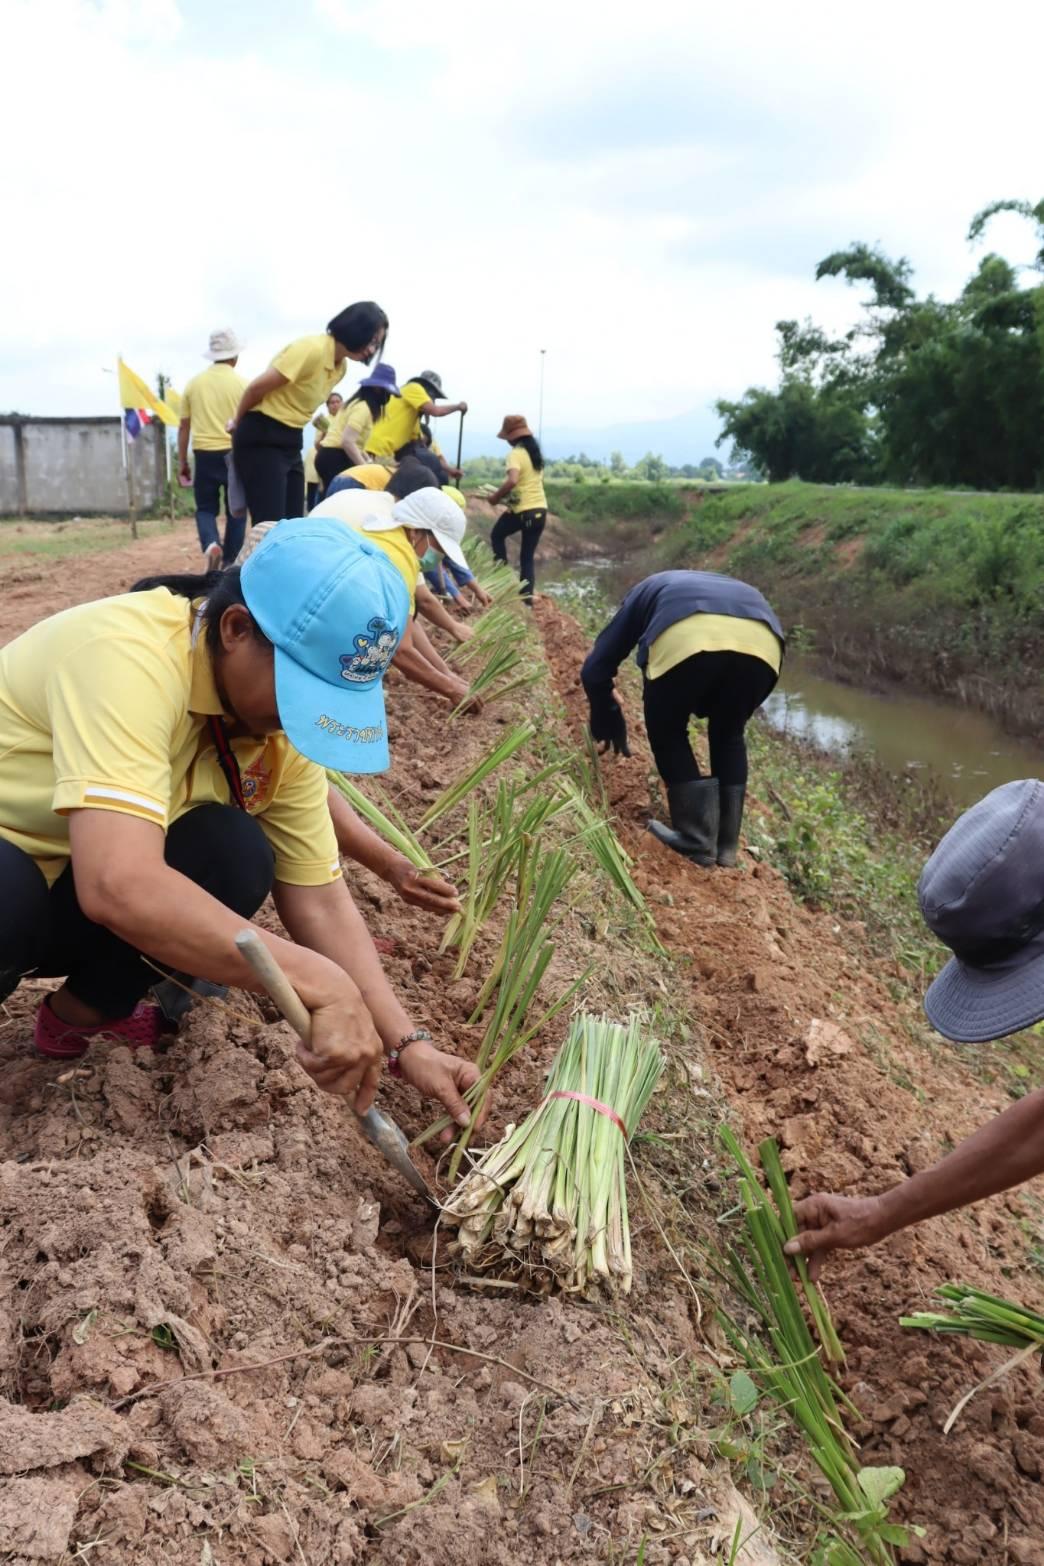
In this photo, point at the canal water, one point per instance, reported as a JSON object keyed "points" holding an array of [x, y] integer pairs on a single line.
{"points": [[964, 751]]}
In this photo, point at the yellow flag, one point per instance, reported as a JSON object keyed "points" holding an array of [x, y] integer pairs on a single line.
{"points": [[173, 401], [136, 393]]}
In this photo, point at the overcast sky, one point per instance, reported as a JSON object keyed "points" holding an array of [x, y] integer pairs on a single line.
{"points": [[643, 190]]}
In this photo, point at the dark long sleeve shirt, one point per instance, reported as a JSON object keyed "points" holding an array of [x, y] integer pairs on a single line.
{"points": [[659, 602]]}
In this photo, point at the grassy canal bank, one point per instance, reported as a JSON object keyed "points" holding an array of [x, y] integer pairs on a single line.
{"points": [[940, 592]]}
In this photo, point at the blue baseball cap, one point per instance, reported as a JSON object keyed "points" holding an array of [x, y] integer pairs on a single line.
{"points": [[335, 609]]}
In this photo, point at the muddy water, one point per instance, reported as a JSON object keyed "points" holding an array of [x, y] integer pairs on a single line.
{"points": [[965, 751]]}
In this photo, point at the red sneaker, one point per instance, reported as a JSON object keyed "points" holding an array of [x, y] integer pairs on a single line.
{"points": [[57, 1040]]}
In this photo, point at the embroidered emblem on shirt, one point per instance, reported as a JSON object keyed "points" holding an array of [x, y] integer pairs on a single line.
{"points": [[255, 783], [374, 650]]}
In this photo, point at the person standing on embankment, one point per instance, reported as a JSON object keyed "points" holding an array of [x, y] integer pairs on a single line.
{"points": [[711, 647], [208, 403], [278, 403], [523, 489], [154, 788], [982, 894]]}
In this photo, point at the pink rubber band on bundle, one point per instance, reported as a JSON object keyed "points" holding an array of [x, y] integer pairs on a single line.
{"points": [[593, 1103]]}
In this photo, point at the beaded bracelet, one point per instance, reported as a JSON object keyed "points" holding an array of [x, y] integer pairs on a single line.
{"points": [[416, 1037]]}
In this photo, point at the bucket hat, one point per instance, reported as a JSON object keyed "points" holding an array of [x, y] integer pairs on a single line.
{"points": [[224, 344], [513, 427], [383, 377], [431, 380], [335, 609], [982, 893], [433, 511]]}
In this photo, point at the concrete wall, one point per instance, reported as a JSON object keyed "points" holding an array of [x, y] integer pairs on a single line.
{"points": [[73, 467]]}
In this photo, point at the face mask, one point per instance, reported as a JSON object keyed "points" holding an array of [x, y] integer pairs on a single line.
{"points": [[430, 559]]}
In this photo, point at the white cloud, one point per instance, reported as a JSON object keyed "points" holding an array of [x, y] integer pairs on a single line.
{"points": [[642, 191]]}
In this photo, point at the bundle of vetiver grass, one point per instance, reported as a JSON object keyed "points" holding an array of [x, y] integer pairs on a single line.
{"points": [[548, 1203], [983, 1316]]}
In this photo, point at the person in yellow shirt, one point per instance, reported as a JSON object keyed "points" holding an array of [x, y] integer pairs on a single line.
{"points": [[711, 647], [207, 404], [371, 475], [523, 490], [162, 769], [321, 424], [409, 517], [278, 403], [399, 425], [344, 443]]}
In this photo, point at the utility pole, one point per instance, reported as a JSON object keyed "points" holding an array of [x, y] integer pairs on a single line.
{"points": [[540, 420]]}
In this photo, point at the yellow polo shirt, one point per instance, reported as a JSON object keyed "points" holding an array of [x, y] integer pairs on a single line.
{"points": [[208, 402], [712, 633], [371, 475], [354, 416], [528, 493], [311, 374], [105, 706], [400, 421]]}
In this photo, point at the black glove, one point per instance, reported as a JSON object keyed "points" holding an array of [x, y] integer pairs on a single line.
{"points": [[608, 725]]}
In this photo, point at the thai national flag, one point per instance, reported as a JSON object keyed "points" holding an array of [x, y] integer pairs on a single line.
{"points": [[135, 420]]}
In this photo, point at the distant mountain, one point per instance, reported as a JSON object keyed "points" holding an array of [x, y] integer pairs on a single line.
{"points": [[688, 437]]}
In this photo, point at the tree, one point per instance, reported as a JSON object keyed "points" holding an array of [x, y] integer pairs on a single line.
{"points": [[652, 467], [617, 465]]}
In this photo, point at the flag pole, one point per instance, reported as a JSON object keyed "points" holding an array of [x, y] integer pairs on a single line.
{"points": [[128, 463]]}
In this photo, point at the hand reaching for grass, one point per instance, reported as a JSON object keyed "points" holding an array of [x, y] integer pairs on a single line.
{"points": [[835, 1223], [444, 1077]]}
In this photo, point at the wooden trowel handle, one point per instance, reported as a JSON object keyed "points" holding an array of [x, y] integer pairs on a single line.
{"points": [[275, 981]]}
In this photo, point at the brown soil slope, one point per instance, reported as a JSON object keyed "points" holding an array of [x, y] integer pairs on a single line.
{"points": [[803, 1031], [207, 1210]]}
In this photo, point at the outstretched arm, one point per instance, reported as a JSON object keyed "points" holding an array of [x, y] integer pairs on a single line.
{"points": [[1004, 1153]]}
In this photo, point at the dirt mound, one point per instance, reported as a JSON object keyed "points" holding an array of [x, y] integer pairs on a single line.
{"points": [[812, 1046], [228, 1333]]}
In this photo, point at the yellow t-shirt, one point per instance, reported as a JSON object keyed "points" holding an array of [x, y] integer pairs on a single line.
{"points": [[104, 707], [400, 421], [354, 416], [712, 633], [371, 475], [208, 402], [311, 374], [528, 493]]}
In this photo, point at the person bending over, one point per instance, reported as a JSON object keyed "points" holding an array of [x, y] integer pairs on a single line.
{"points": [[278, 403], [154, 789], [709, 647]]}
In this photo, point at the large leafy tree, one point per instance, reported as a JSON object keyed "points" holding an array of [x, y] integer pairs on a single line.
{"points": [[919, 391]]}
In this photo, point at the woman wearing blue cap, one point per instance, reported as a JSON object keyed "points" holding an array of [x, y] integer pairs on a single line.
{"points": [[982, 893], [344, 443], [154, 788]]}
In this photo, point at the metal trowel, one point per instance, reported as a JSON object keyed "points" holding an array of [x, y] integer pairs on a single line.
{"points": [[379, 1129]]}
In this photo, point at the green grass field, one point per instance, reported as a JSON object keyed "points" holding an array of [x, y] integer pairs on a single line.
{"points": [[60, 540]]}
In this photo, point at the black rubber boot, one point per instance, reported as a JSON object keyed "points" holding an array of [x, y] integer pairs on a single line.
{"points": [[729, 822], [694, 819]]}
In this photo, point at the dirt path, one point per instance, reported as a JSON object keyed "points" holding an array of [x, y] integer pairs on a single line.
{"points": [[806, 1036]]}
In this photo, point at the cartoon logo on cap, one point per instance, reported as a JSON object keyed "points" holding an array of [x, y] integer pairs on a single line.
{"points": [[374, 651]]}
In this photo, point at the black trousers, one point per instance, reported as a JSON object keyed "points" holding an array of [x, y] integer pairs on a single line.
{"points": [[329, 461], [531, 525], [268, 461], [726, 688], [44, 930]]}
